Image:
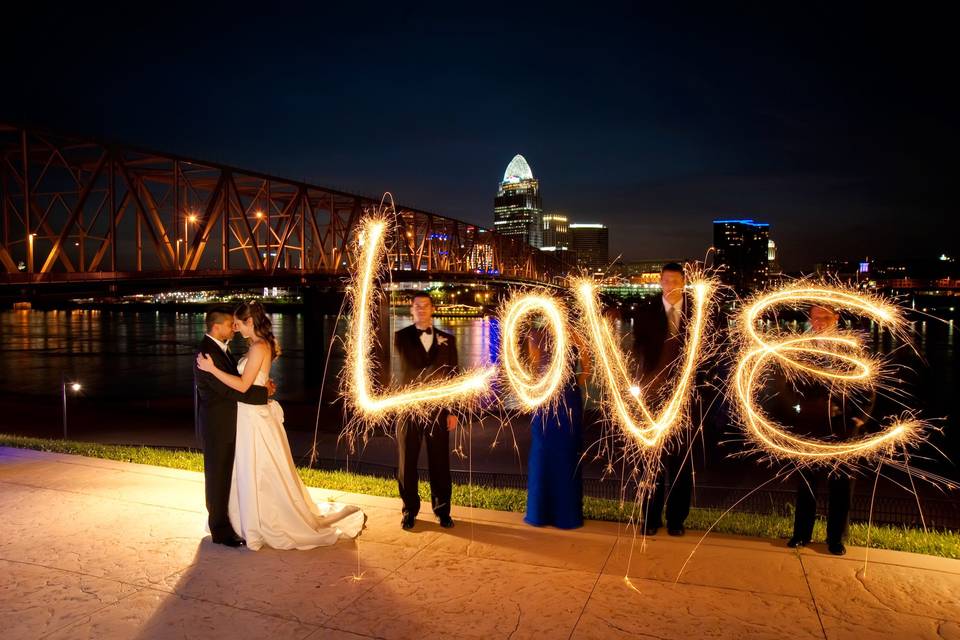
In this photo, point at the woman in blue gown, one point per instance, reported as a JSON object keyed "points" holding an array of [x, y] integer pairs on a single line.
{"points": [[554, 484]]}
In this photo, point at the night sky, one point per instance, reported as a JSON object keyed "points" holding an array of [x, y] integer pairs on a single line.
{"points": [[838, 128]]}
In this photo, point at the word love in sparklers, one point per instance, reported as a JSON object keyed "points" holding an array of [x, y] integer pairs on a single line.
{"points": [[625, 401]]}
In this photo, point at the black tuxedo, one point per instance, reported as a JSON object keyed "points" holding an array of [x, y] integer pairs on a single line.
{"points": [[217, 418], [654, 348], [657, 353], [810, 410], [421, 365]]}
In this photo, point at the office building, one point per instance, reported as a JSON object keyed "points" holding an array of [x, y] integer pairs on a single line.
{"points": [[517, 210], [590, 244], [743, 253]]}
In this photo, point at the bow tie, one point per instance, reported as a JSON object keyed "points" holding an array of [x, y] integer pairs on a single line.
{"points": [[428, 331]]}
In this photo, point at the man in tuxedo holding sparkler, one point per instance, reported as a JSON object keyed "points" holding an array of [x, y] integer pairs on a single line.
{"points": [[427, 355], [659, 332]]}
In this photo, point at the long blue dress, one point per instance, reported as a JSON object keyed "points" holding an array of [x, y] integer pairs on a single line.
{"points": [[554, 485]]}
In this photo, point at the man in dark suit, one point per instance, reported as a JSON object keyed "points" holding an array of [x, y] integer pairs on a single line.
{"points": [[659, 331], [217, 421], [427, 354], [812, 411]]}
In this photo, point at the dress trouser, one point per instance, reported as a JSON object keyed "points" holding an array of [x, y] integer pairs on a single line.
{"points": [[219, 447], [838, 505], [678, 467], [410, 434]]}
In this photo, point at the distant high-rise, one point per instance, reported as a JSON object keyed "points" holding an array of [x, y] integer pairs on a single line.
{"points": [[590, 243], [556, 236], [772, 258], [743, 250], [517, 210]]}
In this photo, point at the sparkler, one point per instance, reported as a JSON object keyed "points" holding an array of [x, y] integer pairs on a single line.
{"points": [[419, 399], [629, 408], [533, 389], [808, 355]]}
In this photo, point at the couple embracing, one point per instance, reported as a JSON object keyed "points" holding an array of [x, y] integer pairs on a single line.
{"points": [[254, 495]]}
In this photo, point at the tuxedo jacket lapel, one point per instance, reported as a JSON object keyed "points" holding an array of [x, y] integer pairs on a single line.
{"points": [[223, 360]]}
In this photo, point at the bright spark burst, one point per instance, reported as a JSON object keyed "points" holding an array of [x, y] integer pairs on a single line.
{"points": [[626, 400], [807, 356], [534, 388], [419, 399]]}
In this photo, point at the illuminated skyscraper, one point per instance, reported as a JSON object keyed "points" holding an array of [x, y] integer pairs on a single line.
{"points": [[517, 210], [556, 236], [590, 243], [743, 252]]}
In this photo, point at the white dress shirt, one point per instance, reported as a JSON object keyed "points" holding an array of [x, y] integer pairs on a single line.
{"points": [[223, 345], [674, 311], [426, 339]]}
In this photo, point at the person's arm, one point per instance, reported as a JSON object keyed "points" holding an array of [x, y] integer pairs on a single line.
{"points": [[242, 383], [208, 384]]}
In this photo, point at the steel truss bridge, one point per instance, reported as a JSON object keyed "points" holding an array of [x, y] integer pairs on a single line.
{"points": [[85, 215]]}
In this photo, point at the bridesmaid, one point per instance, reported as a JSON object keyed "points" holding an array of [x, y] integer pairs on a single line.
{"points": [[554, 485]]}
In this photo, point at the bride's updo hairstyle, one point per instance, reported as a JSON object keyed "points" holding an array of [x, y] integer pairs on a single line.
{"points": [[261, 324]]}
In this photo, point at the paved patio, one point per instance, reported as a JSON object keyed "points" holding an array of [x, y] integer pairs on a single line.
{"points": [[99, 549]]}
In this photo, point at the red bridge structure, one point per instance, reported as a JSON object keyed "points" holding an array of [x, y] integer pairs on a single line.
{"points": [[85, 215]]}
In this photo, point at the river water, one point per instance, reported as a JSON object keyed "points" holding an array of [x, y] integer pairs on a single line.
{"points": [[133, 366]]}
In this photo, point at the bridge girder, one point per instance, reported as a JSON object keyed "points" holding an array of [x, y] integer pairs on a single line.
{"points": [[80, 209]]}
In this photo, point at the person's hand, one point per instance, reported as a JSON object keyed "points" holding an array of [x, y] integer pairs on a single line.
{"points": [[271, 388], [205, 363], [451, 422]]}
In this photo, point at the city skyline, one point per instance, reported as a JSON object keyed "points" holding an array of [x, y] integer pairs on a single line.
{"points": [[652, 122]]}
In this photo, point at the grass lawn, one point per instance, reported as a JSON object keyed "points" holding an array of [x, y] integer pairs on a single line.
{"points": [[936, 543]]}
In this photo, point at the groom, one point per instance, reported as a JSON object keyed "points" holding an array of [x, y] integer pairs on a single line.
{"points": [[217, 418], [427, 355]]}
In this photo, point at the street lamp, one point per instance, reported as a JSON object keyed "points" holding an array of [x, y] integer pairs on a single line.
{"points": [[30, 252], [192, 219], [75, 387]]}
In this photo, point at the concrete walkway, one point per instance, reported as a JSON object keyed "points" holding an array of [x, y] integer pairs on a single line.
{"points": [[100, 549]]}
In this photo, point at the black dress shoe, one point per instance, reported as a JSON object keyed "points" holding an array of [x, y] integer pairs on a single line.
{"points": [[837, 548], [676, 531], [407, 521], [651, 530], [446, 522], [232, 541], [797, 541]]}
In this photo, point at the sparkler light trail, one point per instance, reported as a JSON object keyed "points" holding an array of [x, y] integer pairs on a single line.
{"points": [[809, 356], [629, 408], [533, 388], [418, 398]]}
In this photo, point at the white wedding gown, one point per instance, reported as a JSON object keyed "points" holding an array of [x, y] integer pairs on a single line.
{"points": [[269, 505]]}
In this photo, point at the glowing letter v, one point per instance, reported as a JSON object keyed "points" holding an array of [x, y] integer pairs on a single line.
{"points": [[628, 407]]}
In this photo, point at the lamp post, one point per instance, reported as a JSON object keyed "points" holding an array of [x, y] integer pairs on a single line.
{"points": [[75, 387], [191, 219]]}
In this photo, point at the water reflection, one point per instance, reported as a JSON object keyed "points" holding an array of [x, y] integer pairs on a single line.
{"points": [[148, 355]]}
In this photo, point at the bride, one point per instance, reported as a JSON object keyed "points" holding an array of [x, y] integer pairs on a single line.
{"points": [[269, 505]]}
